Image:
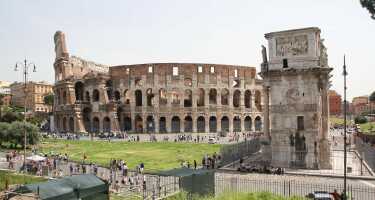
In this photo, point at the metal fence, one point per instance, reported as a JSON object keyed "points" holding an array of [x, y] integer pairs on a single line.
{"points": [[366, 151], [157, 187], [233, 152], [287, 188]]}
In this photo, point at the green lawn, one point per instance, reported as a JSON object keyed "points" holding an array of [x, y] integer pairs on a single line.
{"points": [[366, 127], [339, 121], [14, 178], [156, 156]]}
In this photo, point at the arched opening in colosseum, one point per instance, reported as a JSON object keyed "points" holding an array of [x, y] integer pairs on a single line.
{"points": [[71, 125], [150, 124], [213, 124], [64, 125], [162, 125], [201, 95], [95, 125], [236, 98], [225, 97], [126, 97], [127, 123], [106, 125], [150, 97], [175, 124], [175, 97], [225, 124], [119, 114], [162, 97], [258, 123], [212, 96], [138, 98], [201, 124], [188, 124], [109, 88], [64, 98], [138, 124], [78, 87], [188, 82], [258, 100], [87, 96], [247, 99], [95, 95], [117, 95], [188, 98], [247, 123], [236, 124], [87, 119]]}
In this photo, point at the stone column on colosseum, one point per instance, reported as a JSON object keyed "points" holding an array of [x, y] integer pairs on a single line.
{"points": [[156, 121], [253, 107], [78, 126], [230, 116], [182, 120], [206, 97], [115, 126], [230, 99], [207, 123], [103, 97], [242, 117], [168, 119], [145, 125], [194, 118], [71, 96], [218, 123]]}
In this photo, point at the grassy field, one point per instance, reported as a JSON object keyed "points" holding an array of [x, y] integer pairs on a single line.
{"points": [[366, 127], [14, 178], [156, 156], [238, 196], [339, 121]]}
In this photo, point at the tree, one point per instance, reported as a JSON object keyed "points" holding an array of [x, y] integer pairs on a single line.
{"points": [[370, 6], [360, 120], [48, 99], [4, 129], [372, 97], [16, 133]]}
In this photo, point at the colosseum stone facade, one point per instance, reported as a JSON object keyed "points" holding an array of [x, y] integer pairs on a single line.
{"points": [[154, 97]]}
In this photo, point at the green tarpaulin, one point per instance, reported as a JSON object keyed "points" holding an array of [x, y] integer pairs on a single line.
{"points": [[76, 187], [200, 181]]}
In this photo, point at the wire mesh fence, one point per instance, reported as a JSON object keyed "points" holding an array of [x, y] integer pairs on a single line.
{"points": [[154, 187], [233, 152], [366, 151]]}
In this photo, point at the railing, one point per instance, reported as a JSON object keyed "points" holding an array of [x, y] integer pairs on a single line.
{"points": [[285, 187]]}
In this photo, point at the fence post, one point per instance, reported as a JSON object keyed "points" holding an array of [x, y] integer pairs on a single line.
{"points": [[289, 188]]}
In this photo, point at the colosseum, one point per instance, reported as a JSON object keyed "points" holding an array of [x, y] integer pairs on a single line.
{"points": [[154, 97]]}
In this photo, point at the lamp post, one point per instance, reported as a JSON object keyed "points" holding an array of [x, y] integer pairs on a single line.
{"points": [[25, 66], [345, 73]]}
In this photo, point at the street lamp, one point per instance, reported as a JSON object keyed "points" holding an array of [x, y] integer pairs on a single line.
{"points": [[25, 66], [345, 73]]}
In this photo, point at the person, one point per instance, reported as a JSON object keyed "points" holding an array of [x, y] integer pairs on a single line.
{"points": [[336, 195], [71, 168], [142, 166]]}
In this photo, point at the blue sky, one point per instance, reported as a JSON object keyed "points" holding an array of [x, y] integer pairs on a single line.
{"points": [[204, 31]]}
